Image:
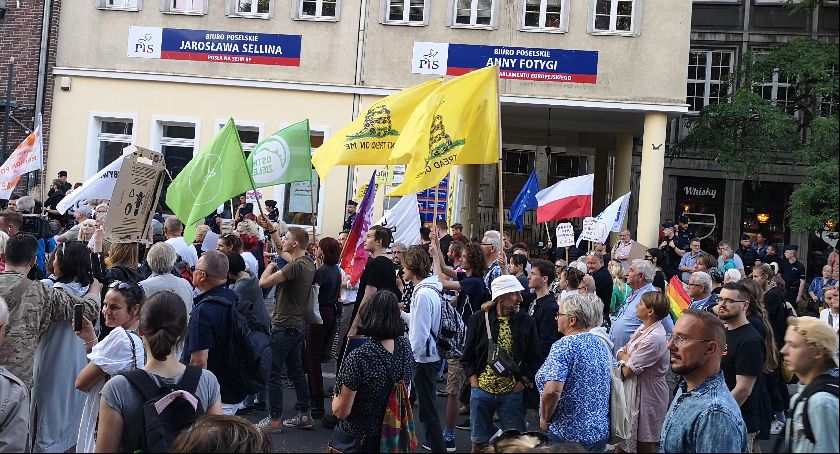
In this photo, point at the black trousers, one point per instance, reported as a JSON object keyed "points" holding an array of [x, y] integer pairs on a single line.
{"points": [[424, 387]]}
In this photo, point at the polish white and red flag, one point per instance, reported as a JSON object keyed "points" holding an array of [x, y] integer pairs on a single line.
{"points": [[27, 157], [569, 198]]}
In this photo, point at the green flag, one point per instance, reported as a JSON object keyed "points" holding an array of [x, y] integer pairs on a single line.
{"points": [[216, 174], [283, 157]]}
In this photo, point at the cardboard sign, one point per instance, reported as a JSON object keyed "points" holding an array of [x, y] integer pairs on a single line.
{"points": [[638, 251], [135, 197], [565, 234], [594, 230]]}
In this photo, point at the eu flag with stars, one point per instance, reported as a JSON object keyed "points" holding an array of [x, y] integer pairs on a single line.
{"points": [[525, 201]]}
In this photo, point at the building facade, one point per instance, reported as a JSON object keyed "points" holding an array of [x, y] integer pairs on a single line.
{"points": [[723, 33], [581, 77]]}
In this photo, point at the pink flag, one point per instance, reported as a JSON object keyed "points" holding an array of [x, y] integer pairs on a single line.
{"points": [[569, 198], [354, 257], [27, 157]]}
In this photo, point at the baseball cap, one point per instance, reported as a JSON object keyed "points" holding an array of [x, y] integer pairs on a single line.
{"points": [[817, 333], [271, 203], [505, 284], [683, 219], [791, 247], [745, 237], [668, 225], [352, 202]]}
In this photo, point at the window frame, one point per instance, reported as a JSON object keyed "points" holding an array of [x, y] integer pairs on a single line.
{"points": [[166, 7], [494, 16], [297, 11], [232, 10], [707, 81], [103, 5], [773, 83], [95, 119], [775, 2], [564, 18], [252, 125], [635, 19], [385, 9], [280, 194]]}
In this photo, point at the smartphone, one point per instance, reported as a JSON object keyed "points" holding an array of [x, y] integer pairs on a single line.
{"points": [[78, 313]]}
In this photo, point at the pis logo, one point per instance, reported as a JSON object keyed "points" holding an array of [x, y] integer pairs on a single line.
{"points": [[428, 61], [144, 45]]}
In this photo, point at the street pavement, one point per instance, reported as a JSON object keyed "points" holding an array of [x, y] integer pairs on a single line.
{"points": [[315, 440]]}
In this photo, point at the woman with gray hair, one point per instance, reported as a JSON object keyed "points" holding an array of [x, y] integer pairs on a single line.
{"points": [[161, 258], [574, 381]]}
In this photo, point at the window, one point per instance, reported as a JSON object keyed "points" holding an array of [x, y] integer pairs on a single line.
{"points": [[475, 13], [615, 17], [262, 9], [708, 77], [315, 9], [518, 161], [124, 5], [545, 15], [562, 166], [774, 88], [177, 142], [250, 133], [298, 201], [828, 103], [404, 12], [114, 135], [184, 6]]}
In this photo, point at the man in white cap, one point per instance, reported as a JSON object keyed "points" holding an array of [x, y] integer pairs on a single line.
{"points": [[497, 384], [811, 350]]}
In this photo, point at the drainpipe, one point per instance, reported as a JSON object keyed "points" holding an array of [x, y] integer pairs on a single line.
{"points": [[357, 81], [42, 78]]}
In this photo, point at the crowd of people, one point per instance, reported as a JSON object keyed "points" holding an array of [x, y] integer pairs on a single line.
{"points": [[206, 331]]}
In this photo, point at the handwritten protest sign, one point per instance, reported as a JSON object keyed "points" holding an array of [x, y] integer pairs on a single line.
{"points": [[565, 234], [135, 196], [594, 230]]}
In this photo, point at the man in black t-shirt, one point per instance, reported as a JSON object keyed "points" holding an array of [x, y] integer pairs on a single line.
{"points": [[743, 361], [379, 272]]}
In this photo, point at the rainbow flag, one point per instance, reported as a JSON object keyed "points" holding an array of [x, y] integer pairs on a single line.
{"points": [[354, 256], [678, 298]]}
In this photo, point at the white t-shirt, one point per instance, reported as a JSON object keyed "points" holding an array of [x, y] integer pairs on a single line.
{"points": [[251, 263], [184, 250]]}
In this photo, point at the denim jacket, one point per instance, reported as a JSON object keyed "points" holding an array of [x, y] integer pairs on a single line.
{"points": [[695, 420]]}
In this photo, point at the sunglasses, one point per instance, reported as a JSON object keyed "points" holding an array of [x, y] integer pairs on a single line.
{"points": [[126, 287], [514, 434]]}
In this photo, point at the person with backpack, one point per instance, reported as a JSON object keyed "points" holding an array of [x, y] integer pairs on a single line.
{"points": [[370, 377], [811, 350], [128, 418], [161, 259], [122, 349], [424, 329], [210, 333], [288, 327]]}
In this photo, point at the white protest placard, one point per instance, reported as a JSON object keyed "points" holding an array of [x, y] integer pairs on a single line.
{"points": [[565, 234], [594, 230]]}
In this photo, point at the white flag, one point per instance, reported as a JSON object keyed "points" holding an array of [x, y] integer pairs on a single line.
{"points": [[99, 186], [614, 214], [27, 157], [405, 218]]}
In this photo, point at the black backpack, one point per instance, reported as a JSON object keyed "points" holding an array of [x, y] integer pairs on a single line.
{"points": [[155, 432], [825, 383], [248, 352]]}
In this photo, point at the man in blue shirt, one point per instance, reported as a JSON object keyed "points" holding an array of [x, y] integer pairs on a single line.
{"points": [[208, 337], [703, 417], [688, 262], [700, 291], [640, 280]]}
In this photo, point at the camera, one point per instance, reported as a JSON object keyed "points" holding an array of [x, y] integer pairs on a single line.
{"points": [[38, 225]]}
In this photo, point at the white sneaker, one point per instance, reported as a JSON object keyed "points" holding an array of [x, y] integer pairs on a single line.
{"points": [[777, 427]]}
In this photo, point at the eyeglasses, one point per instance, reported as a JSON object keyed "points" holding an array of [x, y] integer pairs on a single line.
{"points": [[730, 301], [679, 341], [648, 258], [487, 244], [562, 314], [692, 284]]}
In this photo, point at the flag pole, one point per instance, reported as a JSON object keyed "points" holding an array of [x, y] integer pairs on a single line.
{"points": [[312, 208], [501, 195]]}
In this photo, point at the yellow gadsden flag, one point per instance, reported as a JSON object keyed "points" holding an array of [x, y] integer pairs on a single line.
{"points": [[457, 124], [370, 138]]}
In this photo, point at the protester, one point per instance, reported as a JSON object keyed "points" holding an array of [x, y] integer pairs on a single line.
{"points": [[743, 364], [516, 267], [161, 259], [700, 291], [620, 288], [731, 275], [570, 279], [747, 254], [163, 320], [703, 416], [498, 387], [200, 234], [378, 273], [230, 242], [4, 238], [423, 330], [559, 266], [545, 305], [834, 262], [121, 265], [14, 399], [646, 356], [705, 262], [815, 290], [831, 315], [772, 255], [32, 307], [318, 337], [656, 257], [574, 381], [811, 350], [603, 279], [252, 250], [369, 372], [458, 233], [639, 280], [491, 246], [760, 246], [728, 259], [80, 214], [287, 330], [222, 434], [621, 250], [173, 229], [121, 350], [349, 294], [209, 336], [587, 285], [688, 262]]}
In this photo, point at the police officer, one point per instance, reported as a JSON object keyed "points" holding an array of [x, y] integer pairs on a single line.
{"points": [[793, 273], [683, 234], [273, 213], [351, 214]]}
